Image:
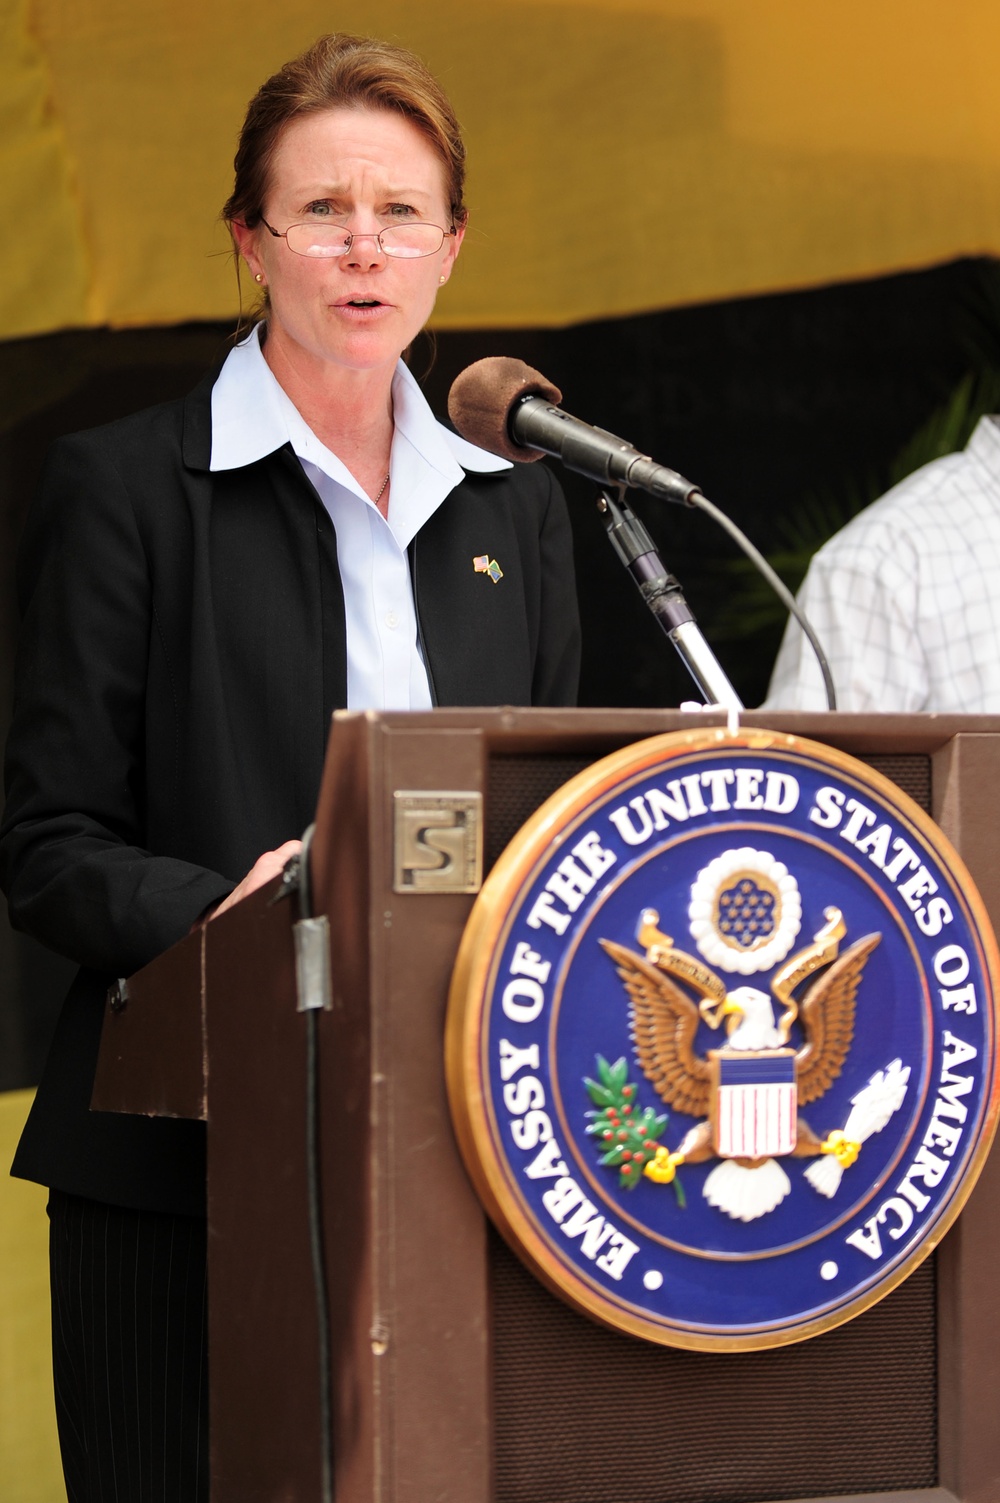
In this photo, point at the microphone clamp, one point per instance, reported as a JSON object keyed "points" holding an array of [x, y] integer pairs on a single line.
{"points": [[665, 598]]}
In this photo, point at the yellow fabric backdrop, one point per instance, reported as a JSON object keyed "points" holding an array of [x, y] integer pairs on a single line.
{"points": [[29, 1452], [625, 154]]}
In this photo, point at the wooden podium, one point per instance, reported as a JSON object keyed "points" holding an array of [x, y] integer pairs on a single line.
{"points": [[456, 1378]]}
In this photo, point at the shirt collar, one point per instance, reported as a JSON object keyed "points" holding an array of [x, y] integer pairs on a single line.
{"points": [[984, 445], [252, 417]]}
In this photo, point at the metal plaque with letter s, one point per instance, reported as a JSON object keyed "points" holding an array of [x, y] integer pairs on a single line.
{"points": [[437, 841]]}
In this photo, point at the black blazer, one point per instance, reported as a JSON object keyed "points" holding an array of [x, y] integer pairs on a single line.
{"points": [[182, 650]]}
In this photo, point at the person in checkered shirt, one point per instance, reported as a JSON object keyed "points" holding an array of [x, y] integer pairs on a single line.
{"points": [[906, 598]]}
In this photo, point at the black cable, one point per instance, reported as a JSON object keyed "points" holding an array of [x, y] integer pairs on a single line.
{"points": [[316, 1204], [782, 591]]}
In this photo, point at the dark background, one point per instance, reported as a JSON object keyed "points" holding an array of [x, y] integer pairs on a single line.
{"points": [[772, 405]]}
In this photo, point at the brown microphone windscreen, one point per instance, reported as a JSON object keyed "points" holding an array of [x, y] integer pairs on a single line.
{"points": [[483, 394]]}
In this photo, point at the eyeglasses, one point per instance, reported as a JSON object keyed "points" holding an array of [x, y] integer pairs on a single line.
{"points": [[319, 238]]}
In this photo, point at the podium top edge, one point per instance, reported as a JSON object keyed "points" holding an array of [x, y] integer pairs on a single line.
{"points": [[905, 731]]}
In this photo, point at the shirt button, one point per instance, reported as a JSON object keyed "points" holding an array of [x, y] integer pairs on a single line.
{"points": [[391, 620]]}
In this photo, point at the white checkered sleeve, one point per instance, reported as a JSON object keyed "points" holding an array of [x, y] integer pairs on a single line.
{"points": [[860, 598], [906, 599]]}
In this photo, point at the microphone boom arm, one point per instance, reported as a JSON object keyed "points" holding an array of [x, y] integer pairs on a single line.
{"points": [[665, 598]]}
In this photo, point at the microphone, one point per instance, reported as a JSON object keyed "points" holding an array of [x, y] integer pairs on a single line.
{"points": [[504, 406]]}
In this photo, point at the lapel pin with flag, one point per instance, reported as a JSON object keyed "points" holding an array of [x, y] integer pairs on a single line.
{"points": [[483, 564]]}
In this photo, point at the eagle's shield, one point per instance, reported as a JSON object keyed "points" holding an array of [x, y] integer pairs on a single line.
{"points": [[754, 1108]]}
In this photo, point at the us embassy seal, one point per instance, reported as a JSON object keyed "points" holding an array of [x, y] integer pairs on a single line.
{"points": [[721, 1039]]}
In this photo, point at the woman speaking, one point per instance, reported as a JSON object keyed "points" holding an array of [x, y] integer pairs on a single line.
{"points": [[202, 585]]}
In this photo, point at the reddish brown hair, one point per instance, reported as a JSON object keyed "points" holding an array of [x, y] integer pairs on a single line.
{"points": [[343, 71]]}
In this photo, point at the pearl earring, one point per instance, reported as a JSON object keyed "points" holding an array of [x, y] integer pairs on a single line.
{"points": [[258, 276], [441, 281]]}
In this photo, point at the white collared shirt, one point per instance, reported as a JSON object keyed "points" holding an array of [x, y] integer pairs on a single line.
{"points": [[906, 598], [252, 417]]}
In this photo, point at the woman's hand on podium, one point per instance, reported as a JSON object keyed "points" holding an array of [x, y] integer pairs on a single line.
{"points": [[265, 869]]}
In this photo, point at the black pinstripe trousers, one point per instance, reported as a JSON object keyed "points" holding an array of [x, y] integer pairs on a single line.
{"points": [[129, 1352]]}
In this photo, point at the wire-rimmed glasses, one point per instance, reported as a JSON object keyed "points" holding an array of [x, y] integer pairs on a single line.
{"points": [[320, 238]]}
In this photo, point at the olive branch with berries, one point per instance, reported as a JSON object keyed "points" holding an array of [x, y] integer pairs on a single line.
{"points": [[626, 1132]]}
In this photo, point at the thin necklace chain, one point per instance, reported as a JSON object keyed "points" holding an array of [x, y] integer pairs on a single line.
{"points": [[381, 489]]}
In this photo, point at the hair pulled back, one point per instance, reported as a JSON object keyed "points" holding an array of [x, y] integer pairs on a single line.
{"points": [[336, 72]]}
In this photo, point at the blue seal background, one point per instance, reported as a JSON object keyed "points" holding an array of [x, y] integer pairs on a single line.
{"points": [[719, 1275]]}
